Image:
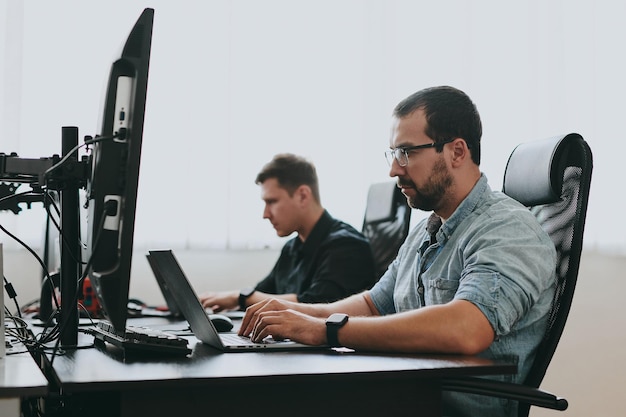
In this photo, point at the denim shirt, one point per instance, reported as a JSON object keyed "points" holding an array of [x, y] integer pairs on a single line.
{"points": [[493, 253]]}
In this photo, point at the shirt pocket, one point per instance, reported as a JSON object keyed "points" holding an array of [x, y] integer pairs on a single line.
{"points": [[440, 290]]}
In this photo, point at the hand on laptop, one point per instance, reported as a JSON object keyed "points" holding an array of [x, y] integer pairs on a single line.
{"points": [[280, 319], [289, 324], [252, 313], [221, 300]]}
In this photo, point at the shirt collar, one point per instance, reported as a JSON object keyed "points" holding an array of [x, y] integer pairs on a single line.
{"points": [[320, 230], [467, 206]]}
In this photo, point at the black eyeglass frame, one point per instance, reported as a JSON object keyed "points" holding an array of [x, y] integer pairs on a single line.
{"points": [[391, 153]]}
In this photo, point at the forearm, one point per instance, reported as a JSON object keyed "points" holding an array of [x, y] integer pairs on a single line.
{"points": [[355, 305], [455, 328], [258, 296]]}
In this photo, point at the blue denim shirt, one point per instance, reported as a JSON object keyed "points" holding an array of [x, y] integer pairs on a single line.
{"points": [[493, 253]]}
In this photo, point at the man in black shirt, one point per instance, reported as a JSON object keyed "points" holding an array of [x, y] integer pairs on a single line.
{"points": [[327, 261]]}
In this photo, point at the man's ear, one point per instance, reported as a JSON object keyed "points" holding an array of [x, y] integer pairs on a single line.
{"points": [[460, 152], [303, 194]]}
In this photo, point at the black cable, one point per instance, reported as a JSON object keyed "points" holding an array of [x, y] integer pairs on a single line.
{"points": [[64, 324], [83, 308], [12, 294], [68, 155], [20, 329], [58, 227], [46, 335], [8, 197], [50, 328], [56, 330], [32, 252]]}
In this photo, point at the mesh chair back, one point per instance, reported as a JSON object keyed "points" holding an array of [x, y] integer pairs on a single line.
{"points": [[562, 216], [386, 223]]}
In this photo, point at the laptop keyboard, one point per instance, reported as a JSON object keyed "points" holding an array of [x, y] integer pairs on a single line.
{"points": [[235, 339]]}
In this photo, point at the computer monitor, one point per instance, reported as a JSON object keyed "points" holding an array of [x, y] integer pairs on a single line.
{"points": [[111, 190]]}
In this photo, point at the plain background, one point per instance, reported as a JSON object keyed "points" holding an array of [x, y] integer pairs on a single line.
{"points": [[234, 82]]}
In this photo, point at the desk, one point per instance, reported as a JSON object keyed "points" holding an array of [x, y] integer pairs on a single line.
{"points": [[20, 377], [311, 383]]}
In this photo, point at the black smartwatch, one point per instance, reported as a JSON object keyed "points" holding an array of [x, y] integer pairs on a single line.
{"points": [[243, 296], [333, 323]]}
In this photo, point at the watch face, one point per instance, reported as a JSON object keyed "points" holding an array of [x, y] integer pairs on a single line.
{"points": [[333, 324], [337, 319]]}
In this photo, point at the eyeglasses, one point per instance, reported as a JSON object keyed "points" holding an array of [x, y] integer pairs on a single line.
{"points": [[401, 155]]}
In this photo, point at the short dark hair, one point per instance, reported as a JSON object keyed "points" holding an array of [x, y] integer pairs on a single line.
{"points": [[291, 171], [449, 112]]}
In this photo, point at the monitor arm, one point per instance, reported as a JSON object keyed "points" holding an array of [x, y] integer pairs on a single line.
{"points": [[9, 189], [35, 171], [67, 176]]}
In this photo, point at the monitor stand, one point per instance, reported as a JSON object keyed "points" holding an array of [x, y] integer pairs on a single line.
{"points": [[67, 179]]}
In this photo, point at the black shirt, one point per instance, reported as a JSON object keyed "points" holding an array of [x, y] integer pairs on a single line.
{"points": [[334, 262]]}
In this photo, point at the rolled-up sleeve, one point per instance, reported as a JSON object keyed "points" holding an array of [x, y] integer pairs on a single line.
{"points": [[502, 275]]}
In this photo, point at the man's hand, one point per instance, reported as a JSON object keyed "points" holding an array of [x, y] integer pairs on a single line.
{"points": [[253, 312], [219, 301], [289, 324]]}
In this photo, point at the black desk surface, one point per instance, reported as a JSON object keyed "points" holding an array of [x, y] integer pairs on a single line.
{"points": [[89, 369], [345, 380], [20, 376], [94, 368]]}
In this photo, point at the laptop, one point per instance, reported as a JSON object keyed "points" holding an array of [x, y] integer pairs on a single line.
{"points": [[170, 301], [173, 310], [166, 266]]}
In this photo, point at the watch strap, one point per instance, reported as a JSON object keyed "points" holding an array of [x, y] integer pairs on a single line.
{"points": [[243, 297], [335, 322]]}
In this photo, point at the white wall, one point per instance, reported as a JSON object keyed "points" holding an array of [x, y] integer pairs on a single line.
{"points": [[234, 82]]}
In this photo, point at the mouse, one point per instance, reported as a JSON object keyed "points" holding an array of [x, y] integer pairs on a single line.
{"points": [[221, 322], [135, 308]]}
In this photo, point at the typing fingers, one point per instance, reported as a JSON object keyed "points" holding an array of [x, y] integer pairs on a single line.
{"points": [[289, 324], [253, 313], [250, 318], [269, 323]]}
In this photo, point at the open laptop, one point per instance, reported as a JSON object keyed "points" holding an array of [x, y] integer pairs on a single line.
{"points": [[176, 284], [173, 310], [170, 301]]}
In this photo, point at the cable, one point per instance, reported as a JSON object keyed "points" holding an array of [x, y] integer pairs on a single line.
{"points": [[19, 330], [64, 324], [12, 294], [68, 155], [58, 213], [56, 330], [8, 197], [58, 227], [32, 252]]}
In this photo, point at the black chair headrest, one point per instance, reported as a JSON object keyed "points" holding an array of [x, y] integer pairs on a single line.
{"points": [[381, 202], [534, 172]]}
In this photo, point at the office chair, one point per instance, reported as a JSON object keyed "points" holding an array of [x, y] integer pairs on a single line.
{"points": [[386, 222], [552, 177]]}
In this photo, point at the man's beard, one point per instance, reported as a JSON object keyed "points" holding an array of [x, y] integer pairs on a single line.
{"points": [[431, 196]]}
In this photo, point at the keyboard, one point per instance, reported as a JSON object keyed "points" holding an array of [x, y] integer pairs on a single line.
{"points": [[235, 339], [141, 339]]}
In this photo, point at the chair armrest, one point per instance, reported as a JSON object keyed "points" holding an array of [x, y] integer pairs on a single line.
{"points": [[517, 392]]}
